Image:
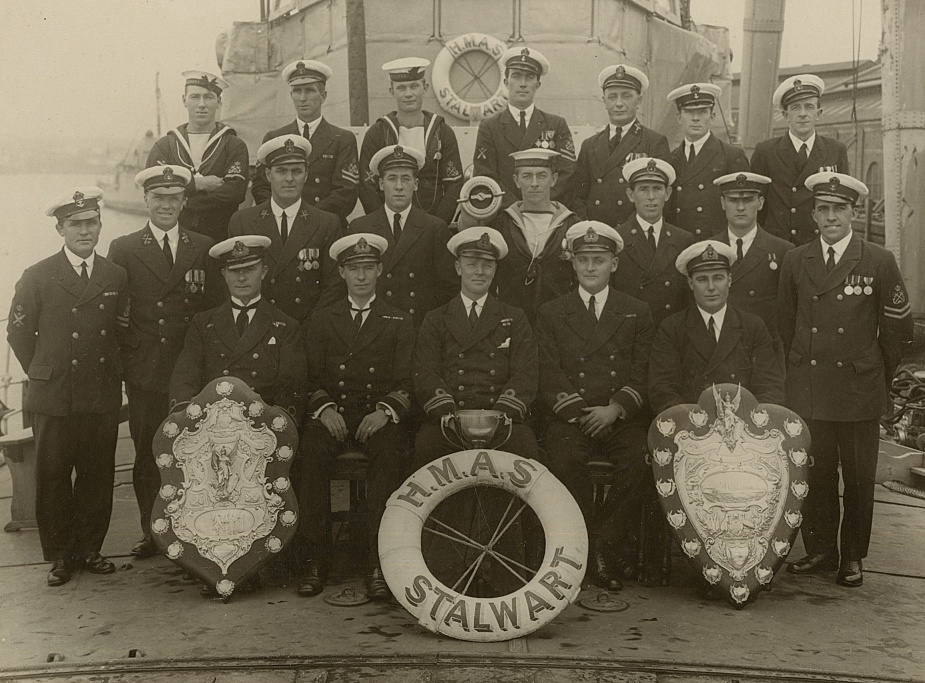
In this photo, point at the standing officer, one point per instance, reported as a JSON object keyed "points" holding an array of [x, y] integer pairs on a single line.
{"points": [[359, 394], [699, 160], [790, 159], [594, 358], [598, 187], [759, 254], [651, 245], [521, 126], [170, 279], [418, 270], [332, 175], [845, 320], [711, 342], [535, 270], [302, 277], [412, 127], [67, 314], [212, 152]]}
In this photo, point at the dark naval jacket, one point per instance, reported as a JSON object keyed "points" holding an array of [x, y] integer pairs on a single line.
{"points": [[302, 275], [685, 361], [65, 334], [491, 366], [418, 272], [333, 174], [269, 356], [162, 301], [694, 204], [598, 190], [842, 347]]}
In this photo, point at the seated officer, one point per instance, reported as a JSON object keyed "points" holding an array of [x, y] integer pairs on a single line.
{"points": [[359, 396], [594, 356], [302, 277], [651, 244], [418, 272], [711, 342], [534, 271]]}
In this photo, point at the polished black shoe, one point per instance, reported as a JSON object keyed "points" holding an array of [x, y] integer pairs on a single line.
{"points": [[97, 564], [376, 587], [59, 574], [145, 548], [850, 574], [813, 564], [602, 575], [312, 580]]}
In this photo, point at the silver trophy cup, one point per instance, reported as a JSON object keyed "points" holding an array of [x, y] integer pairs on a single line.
{"points": [[467, 429]]}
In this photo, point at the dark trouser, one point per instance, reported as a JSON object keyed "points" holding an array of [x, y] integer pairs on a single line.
{"points": [[73, 518], [854, 445], [569, 451], [146, 411], [384, 474]]}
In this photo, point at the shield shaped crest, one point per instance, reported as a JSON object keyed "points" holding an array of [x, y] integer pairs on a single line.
{"points": [[732, 477], [225, 504]]}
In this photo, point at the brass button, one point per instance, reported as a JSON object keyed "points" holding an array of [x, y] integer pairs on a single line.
{"points": [[73, 310], [613, 373], [388, 293], [491, 373], [102, 333], [815, 298], [388, 276], [600, 180], [298, 300], [74, 362], [700, 186], [732, 375], [612, 358], [341, 383], [160, 304], [793, 209], [343, 367], [102, 307], [272, 280], [841, 330], [224, 372], [341, 409], [491, 355], [699, 209], [317, 181], [76, 335], [164, 341], [411, 276], [679, 188], [256, 356], [372, 370], [460, 372], [460, 355], [839, 297], [411, 295], [462, 404], [254, 374], [581, 375], [667, 307], [838, 364], [581, 391], [462, 388], [491, 389], [597, 202], [343, 396], [298, 279], [619, 202], [793, 189], [751, 292], [160, 322], [102, 359], [815, 329], [668, 283], [369, 386], [813, 363], [793, 232]]}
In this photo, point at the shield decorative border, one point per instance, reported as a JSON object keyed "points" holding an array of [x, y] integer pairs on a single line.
{"points": [[731, 476], [226, 504]]}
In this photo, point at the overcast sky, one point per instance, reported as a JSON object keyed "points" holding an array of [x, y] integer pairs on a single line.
{"points": [[87, 67]]}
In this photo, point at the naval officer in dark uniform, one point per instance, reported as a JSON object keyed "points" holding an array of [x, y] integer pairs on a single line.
{"points": [[521, 125], [301, 276], [652, 245], [598, 187], [332, 174], [170, 279], [417, 270], [359, 397], [65, 321], [699, 160], [790, 159], [845, 321], [411, 126], [594, 358]]}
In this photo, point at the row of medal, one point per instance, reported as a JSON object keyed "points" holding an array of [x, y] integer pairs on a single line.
{"points": [[853, 285]]}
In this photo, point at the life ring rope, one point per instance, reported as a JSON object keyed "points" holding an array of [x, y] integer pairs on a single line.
{"points": [[454, 103]]}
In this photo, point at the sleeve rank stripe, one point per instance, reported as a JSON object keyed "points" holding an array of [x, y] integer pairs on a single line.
{"points": [[319, 395], [515, 403], [400, 398], [567, 401], [633, 394], [437, 401]]}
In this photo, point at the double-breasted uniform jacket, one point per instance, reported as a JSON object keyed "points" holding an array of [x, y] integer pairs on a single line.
{"points": [[685, 360], [527, 282], [225, 156], [439, 180], [302, 276], [652, 277], [598, 190], [355, 370], [695, 204], [842, 348], [333, 175], [500, 134], [417, 272], [788, 205], [492, 365], [162, 301], [65, 334], [587, 362], [268, 356], [756, 277]]}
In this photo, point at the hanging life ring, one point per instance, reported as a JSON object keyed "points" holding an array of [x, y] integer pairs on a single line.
{"points": [[443, 610], [454, 103]]}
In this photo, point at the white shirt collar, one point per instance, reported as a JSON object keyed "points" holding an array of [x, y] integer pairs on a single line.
{"points": [[75, 260], [599, 299], [839, 246], [479, 304], [391, 215], [355, 305], [291, 211], [173, 235], [797, 142], [515, 112], [698, 144], [312, 126], [747, 238], [623, 129], [236, 301], [718, 318], [656, 227]]}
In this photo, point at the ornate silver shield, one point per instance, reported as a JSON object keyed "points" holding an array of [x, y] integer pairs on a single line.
{"points": [[226, 504], [731, 478]]}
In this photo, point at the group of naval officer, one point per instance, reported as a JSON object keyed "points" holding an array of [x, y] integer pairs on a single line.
{"points": [[613, 284]]}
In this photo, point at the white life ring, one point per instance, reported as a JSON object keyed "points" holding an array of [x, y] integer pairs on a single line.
{"points": [[449, 99], [443, 610]]}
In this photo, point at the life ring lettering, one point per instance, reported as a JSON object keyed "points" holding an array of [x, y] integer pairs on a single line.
{"points": [[453, 102]]}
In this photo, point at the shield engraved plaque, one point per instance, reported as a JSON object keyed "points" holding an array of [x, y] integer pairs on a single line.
{"points": [[731, 477], [226, 504]]}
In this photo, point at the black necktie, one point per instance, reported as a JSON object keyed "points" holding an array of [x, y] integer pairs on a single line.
{"points": [[830, 261], [523, 123], [690, 154], [84, 275], [592, 307], [650, 237], [803, 155], [615, 140], [739, 252], [358, 317], [243, 318], [711, 326], [396, 227], [167, 253], [306, 132], [284, 228], [473, 316]]}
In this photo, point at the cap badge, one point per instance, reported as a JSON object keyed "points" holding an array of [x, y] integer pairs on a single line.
{"points": [[398, 152], [300, 68], [362, 246], [213, 81], [798, 85], [741, 179], [652, 165], [695, 90], [525, 52], [591, 235], [79, 198], [484, 242], [620, 72], [709, 253], [240, 249], [168, 173], [290, 146]]}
